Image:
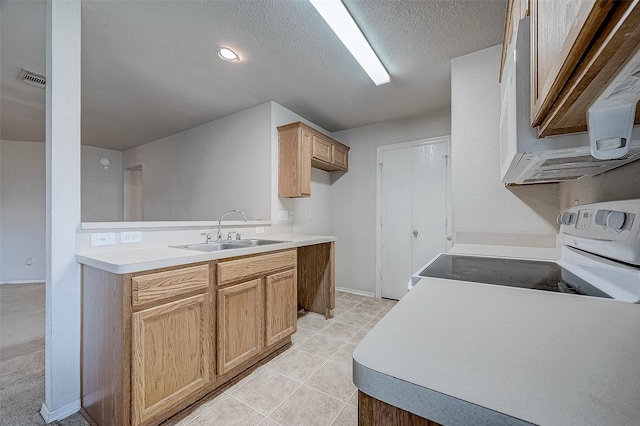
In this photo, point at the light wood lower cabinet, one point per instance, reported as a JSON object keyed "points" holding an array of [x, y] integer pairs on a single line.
{"points": [[257, 313], [280, 306], [147, 343], [316, 278], [155, 342], [239, 324], [171, 355]]}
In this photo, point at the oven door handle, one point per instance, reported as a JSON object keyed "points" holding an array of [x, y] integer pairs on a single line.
{"points": [[565, 287]]}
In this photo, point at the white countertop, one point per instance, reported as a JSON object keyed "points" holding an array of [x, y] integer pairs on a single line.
{"points": [[143, 259], [458, 352]]}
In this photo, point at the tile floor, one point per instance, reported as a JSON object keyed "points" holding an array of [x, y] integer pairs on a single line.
{"points": [[310, 383]]}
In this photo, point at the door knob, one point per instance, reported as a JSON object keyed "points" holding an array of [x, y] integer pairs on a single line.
{"points": [[415, 232], [448, 237]]}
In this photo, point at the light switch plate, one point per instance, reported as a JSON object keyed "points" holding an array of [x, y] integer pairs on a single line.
{"points": [[103, 239], [129, 237]]}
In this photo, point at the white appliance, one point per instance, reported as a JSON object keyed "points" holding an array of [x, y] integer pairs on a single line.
{"points": [[526, 159], [600, 257]]}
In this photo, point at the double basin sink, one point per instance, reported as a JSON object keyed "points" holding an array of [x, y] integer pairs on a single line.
{"points": [[228, 245]]}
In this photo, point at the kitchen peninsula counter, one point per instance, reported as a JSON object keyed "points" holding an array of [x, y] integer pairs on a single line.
{"points": [[462, 353], [147, 258]]}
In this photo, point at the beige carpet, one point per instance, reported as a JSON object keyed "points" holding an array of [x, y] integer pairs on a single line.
{"points": [[22, 357], [22, 386]]}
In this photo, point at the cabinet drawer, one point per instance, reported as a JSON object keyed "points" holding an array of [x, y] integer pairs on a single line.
{"points": [[234, 270], [339, 155], [321, 149], [163, 285]]}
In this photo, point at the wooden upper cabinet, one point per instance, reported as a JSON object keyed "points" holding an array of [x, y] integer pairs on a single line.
{"points": [[300, 148], [577, 46], [516, 10], [321, 149], [340, 156]]}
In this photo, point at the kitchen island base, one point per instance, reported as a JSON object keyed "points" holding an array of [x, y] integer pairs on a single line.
{"points": [[149, 346], [373, 412]]}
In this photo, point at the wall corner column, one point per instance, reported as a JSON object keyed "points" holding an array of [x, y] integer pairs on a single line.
{"points": [[62, 331]]}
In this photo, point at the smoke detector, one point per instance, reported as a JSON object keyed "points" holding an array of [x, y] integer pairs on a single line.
{"points": [[33, 78]]}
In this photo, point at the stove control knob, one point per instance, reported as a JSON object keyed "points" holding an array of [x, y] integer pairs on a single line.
{"points": [[615, 220], [566, 218]]}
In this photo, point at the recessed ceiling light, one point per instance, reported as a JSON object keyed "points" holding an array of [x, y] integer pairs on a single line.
{"points": [[227, 54], [338, 18]]}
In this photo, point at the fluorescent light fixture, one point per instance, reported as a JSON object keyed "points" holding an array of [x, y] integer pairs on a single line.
{"points": [[341, 22], [227, 54]]}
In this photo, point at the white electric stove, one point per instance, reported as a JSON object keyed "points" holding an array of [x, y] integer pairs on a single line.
{"points": [[600, 257]]}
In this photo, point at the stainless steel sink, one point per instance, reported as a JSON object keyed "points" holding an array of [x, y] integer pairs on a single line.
{"points": [[255, 242], [210, 246], [227, 245]]}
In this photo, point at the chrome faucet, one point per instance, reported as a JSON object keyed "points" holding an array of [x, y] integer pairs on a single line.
{"points": [[223, 215], [208, 237]]}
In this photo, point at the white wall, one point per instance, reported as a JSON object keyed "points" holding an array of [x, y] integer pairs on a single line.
{"points": [[22, 210], [313, 214], [22, 203], [353, 195], [101, 188], [622, 183], [480, 202], [201, 172]]}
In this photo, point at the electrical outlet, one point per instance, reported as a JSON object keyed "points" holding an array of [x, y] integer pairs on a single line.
{"points": [[103, 239], [259, 229], [129, 237]]}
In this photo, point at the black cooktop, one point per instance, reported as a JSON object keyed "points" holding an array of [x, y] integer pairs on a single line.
{"points": [[531, 274]]}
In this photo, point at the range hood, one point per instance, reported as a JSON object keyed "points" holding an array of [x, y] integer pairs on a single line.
{"points": [[527, 159]]}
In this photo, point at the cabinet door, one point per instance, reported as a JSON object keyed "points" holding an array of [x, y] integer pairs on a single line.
{"points": [[321, 149], [578, 46], [281, 306], [305, 163], [240, 316], [171, 355], [294, 164], [561, 33], [340, 156]]}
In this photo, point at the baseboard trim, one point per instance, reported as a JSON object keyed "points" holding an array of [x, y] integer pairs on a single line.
{"points": [[358, 292], [59, 413], [23, 282]]}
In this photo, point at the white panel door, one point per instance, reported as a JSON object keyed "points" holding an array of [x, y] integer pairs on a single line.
{"points": [[414, 201], [396, 220]]}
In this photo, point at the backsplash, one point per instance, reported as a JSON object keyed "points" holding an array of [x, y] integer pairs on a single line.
{"points": [[619, 184]]}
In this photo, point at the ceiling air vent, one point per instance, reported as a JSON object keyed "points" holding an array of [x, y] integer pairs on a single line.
{"points": [[33, 78]]}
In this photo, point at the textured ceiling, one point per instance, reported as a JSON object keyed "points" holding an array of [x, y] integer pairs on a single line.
{"points": [[149, 68]]}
